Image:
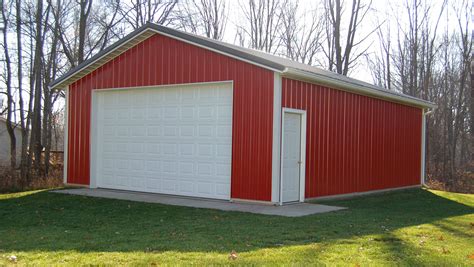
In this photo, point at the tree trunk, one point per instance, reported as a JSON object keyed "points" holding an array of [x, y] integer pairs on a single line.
{"points": [[8, 79], [85, 6], [35, 142], [472, 109], [24, 128]]}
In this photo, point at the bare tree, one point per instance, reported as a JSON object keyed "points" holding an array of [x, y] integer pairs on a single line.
{"points": [[472, 108], [85, 10], [49, 72], [208, 17], [302, 41], [8, 85], [88, 31], [35, 139], [465, 50], [380, 61], [138, 12], [262, 23], [342, 55], [23, 113]]}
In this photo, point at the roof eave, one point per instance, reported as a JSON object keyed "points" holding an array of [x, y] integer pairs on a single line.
{"points": [[102, 57], [356, 88], [145, 32]]}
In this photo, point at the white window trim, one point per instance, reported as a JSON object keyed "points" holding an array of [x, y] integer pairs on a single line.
{"points": [[302, 151]]}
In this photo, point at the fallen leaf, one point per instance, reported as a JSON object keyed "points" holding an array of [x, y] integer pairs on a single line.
{"points": [[233, 255], [471, 256], [441, 238], [13, 258]]}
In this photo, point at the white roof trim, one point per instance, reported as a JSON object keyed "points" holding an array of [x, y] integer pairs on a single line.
{"points": [[345, 83], [358, 89]]}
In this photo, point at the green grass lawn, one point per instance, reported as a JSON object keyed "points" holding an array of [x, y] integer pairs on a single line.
{"points": [[413, 227]]}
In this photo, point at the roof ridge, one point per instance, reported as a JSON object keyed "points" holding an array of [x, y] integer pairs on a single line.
{"points": [[282, 65]]}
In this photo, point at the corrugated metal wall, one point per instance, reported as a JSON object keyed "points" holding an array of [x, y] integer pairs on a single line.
{"points": [[161, 60], [355, 143]]}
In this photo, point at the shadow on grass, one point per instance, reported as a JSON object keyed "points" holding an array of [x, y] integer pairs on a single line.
{"points": [[51, 222]]}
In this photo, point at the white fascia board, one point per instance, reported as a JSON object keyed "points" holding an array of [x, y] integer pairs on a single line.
{"points": [[152, 30], [67, 83]]}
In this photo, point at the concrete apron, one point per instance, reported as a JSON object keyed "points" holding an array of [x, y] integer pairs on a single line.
{"points": [[291, 210]]}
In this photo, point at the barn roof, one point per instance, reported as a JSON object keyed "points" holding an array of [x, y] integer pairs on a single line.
{"points": [[286, 67]]}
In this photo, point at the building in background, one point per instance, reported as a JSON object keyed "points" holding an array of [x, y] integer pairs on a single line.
{"points": [[5, 144]]}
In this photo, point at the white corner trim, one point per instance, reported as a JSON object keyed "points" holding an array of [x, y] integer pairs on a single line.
{"points": [[65, 134], [423, 147], [276, 146], [93, 141], [302, 152]]}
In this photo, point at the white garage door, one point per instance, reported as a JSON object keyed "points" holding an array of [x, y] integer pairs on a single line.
{"points": [[172, 140]]}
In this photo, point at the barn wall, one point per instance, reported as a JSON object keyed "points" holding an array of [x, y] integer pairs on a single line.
{"points": [[161, 60], [355, 143]]}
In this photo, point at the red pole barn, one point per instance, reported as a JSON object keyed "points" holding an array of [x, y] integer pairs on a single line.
{"points": [[164, 111]]}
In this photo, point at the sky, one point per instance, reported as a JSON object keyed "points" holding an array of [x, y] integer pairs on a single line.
{"points": [[383, 12]]}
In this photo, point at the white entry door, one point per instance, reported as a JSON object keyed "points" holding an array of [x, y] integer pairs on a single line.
{"points": [[293, 158], [171, 139]]}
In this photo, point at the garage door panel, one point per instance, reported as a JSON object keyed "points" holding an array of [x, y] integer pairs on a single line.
{"points": [[172, 140]]}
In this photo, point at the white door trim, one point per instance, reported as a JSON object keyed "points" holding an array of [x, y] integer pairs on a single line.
{"points": [[302, 151], [93, 134]]}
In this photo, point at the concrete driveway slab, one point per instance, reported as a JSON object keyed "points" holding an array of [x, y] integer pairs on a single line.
{"points": [[291, 210]]}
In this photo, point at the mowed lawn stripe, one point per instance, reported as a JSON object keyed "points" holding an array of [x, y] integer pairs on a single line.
{"points": [[409, 227]]}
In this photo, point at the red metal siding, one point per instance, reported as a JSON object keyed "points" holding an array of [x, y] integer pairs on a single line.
{"points": [[355, 143], [162, 60]]}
